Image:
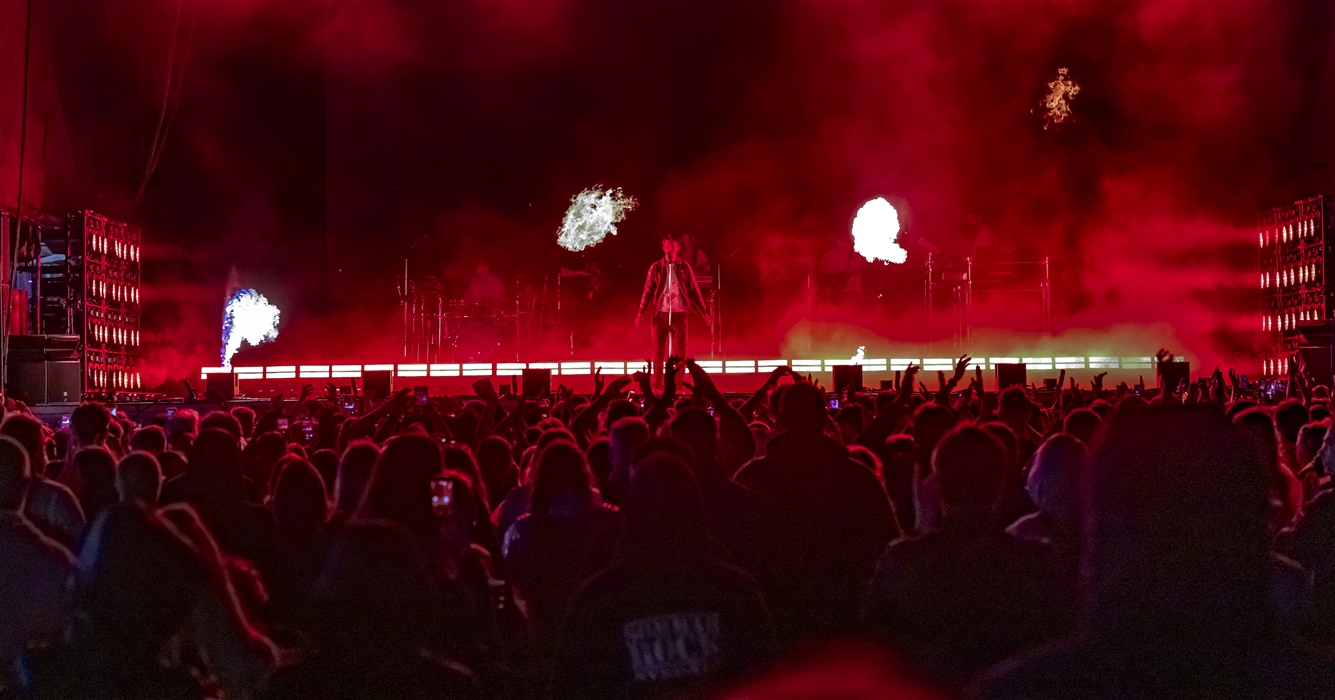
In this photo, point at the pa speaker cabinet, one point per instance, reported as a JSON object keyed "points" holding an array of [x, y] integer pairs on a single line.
{"points": [[46, 382], [537, 383], [224, 384], [1012, 374], [378, 384], [847, 375], [1173, 374]]}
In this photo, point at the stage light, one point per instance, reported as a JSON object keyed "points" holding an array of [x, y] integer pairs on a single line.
{"points": [[593, 216], [249, 318], [875, 229]]}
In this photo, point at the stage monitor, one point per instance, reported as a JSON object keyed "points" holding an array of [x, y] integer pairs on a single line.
{"points": [[1011, 374], [845, 376], [378, 384], [537, 383], [224, 384], [1173, 374]]}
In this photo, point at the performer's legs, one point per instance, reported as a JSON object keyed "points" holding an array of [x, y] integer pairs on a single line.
{"points": [[679, 335], [660, 338]]}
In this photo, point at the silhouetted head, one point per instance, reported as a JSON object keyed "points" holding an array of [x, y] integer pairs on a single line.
{"points": [[1310, 439], [88, 424], [299, 504], [930, 423], [1258, 428], [28, 432], [969, 466], [14, 474], [215, 459], [1290, 417], [139, 479], [621, 408], [1082, 424], [246, 417], [803, 409], [400, 486], [97, 469], [375, 593], [698, 430], [626, 435], [1014, 408], [1055, 480], [224, 421], [149, 439], [562, 484], [664, 510], [354, 473]]}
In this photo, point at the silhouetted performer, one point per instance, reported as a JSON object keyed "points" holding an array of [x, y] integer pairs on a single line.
{"points": [[671, 294]]}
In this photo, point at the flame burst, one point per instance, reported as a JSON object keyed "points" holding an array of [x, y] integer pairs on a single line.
{"points": [[860, 355], [592, 216], [1057, 103], [250, 318], [874, 231]]}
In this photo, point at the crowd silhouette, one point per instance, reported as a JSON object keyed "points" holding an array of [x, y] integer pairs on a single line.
{"points": [[1076, 543]]}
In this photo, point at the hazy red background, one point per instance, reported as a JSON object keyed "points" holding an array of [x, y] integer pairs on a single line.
{"points": [[310, 143]]}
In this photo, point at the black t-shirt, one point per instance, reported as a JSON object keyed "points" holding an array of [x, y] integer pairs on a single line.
{"points": [[637, 631]]}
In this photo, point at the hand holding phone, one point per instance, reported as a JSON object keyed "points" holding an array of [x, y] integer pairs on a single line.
{"points": [[442, 495], [420, 396]]}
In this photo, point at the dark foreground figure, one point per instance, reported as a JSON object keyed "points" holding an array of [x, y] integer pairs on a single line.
{"points": [[913, 544]]}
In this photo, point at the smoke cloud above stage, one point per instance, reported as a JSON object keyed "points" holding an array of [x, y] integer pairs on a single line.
{"points": [[319, 145]]}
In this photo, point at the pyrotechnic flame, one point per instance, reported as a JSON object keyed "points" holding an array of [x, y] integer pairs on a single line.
{"points": [[249, 318], [874, 231], [592, 216], [860, 355], [1056, 103]]}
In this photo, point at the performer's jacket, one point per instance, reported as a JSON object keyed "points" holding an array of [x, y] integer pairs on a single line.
{"points": [[655, 286]]}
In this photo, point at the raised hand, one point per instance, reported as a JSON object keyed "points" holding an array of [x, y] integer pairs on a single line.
{"points": [[645, 382], [961, 366], [306, 391], [702, 384], [1098, 384], [671, 367], [618, 386], [598, 381], [331, 393]]}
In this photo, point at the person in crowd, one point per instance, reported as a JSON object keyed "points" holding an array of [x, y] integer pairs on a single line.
{"points": [[838, 516], [963, 595], [1054, 485], [495, 461], [300, 512], [1176, 574], [354, 473], [139, 479], [566, 536], [214, 485], [374, 607], [33, 570], [665, 618], [50, 505], [1286, 492], [97, 472], [150, 439], [88, 428]]}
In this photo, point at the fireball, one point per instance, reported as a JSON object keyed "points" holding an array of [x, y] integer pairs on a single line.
{"points": [[874, 231]]}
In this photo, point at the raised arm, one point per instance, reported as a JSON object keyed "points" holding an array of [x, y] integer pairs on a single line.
{"points": [[739, 443]]}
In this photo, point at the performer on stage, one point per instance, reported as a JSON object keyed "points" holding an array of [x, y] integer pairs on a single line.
{"points": [[484, 288], [671, 294]]}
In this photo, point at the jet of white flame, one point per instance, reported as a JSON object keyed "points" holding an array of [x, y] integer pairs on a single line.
{"points": [[860, 355], [592, 216], [249, 318], [874, 231], [1057, 102]]}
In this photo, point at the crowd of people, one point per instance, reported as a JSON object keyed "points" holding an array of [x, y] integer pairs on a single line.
{"points": [[1088, 542]]}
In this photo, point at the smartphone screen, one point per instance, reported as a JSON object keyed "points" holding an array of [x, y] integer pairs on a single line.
{"points": [[307, 430], [170, 412], [420, 395], [65, 421], [282, 424], [834, 403], [442, 495]]}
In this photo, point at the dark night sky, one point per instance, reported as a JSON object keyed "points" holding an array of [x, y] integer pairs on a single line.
{"points": [[310, 143]]}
